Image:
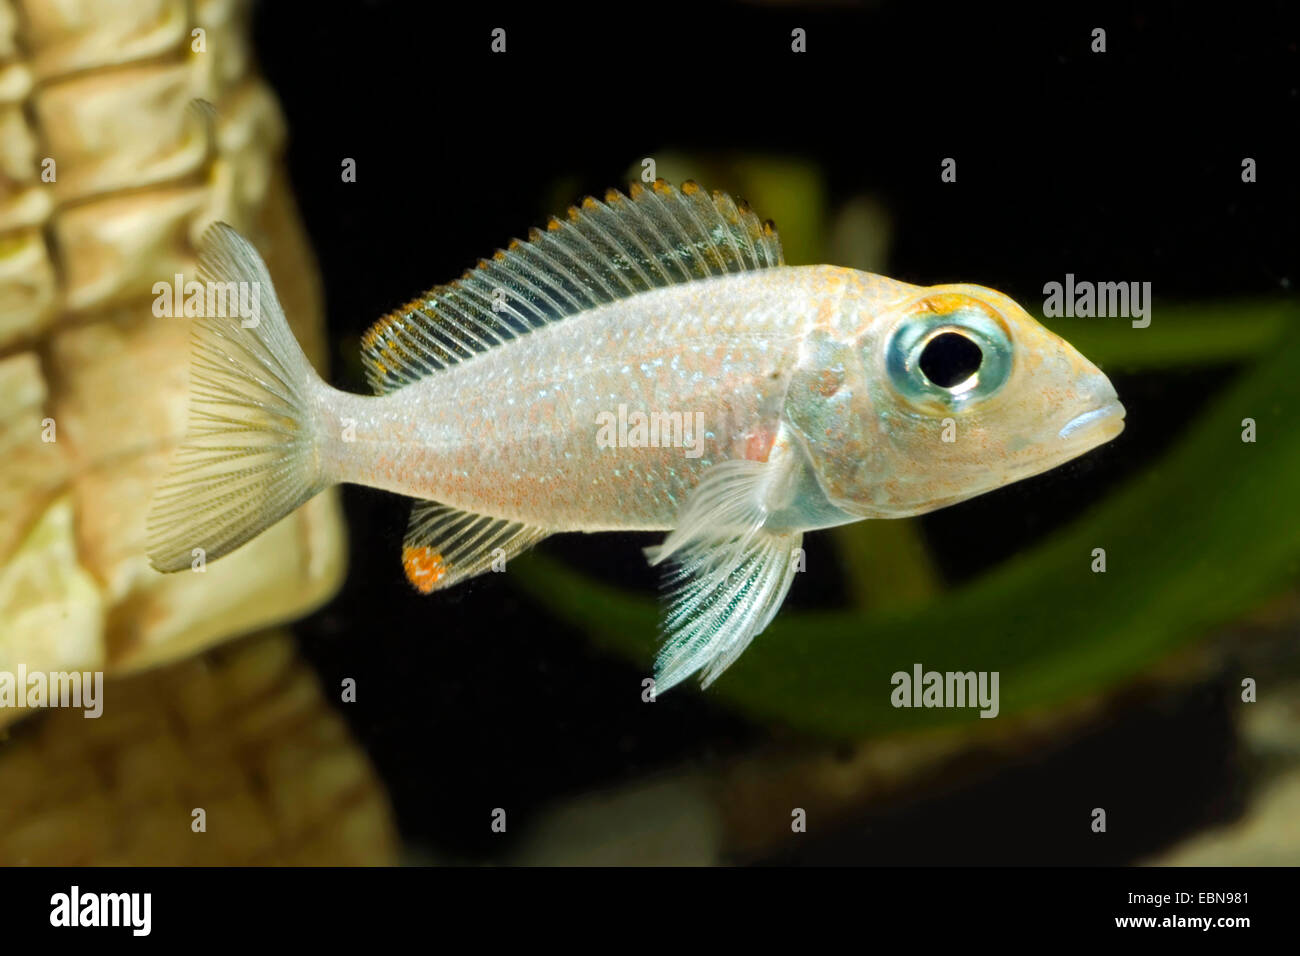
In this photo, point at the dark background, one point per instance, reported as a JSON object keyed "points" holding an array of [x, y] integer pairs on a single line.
{"points": [[1123, 165]]}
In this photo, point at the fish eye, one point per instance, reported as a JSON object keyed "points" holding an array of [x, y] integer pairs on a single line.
{"points": [[950, 359]]}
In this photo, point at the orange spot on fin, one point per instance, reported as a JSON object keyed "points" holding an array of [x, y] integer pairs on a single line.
{"points": [[424, 567]]}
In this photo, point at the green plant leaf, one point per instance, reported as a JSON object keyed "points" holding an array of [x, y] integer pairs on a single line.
{"points": [[1180, 335]]}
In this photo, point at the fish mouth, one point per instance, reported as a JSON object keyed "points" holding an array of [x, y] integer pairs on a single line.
{"points": [[1109, 416]]}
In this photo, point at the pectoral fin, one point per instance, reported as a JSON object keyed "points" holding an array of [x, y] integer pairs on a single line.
{"points": [[730, 572]]}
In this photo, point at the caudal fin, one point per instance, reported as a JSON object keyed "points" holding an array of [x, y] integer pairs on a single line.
{"points": [[249, 457]]}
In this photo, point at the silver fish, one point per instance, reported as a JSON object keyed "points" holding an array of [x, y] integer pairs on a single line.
{"points": [[648, 363]]}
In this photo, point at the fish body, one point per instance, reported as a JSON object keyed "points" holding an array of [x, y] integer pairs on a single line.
{"points": [[515, 431], [650, 364]]}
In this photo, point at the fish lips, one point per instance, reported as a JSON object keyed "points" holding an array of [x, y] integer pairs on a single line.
{"points": [[1095, 426]]}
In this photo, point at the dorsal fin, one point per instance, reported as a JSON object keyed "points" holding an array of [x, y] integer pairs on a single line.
{"points": [[604, 251]]}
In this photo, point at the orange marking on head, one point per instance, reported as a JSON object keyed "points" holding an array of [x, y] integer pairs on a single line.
{"points": [[424, 567], [690, 187], [943, 303]]}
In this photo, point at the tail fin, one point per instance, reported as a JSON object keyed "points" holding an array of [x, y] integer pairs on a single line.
{"points": [[249, 457]]}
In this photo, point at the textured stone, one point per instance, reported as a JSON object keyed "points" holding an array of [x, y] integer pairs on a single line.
{"points": [[28, 290], [51, 611], [270, 762], [34, 470], [121, 129], [107, 90], [140, 175]]}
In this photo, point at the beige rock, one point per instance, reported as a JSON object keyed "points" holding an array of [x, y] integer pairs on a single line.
{"points": [[15, 82], [8, 30], [243, 733], [121, 129], [34, 470], [51, 611], [18, 160], [28, 292], [266, 758], [140, 174], [113, 250], [74, 35]]}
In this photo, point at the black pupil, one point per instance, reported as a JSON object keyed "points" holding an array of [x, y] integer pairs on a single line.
{"points": [[949, 359]]}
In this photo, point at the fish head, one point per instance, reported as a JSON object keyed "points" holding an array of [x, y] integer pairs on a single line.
{"points": [[949, 393]]}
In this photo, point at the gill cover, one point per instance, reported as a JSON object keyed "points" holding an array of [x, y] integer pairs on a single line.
{"points": [[829, 406]]}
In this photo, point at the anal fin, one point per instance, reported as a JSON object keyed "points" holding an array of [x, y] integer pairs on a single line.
{"points": [[444, 545]]}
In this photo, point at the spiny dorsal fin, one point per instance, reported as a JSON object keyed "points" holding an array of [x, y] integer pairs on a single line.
{"points": [[604, 251], [444, 545]]}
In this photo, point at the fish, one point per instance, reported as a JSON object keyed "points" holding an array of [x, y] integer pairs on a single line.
{"points": [[648, 362]]}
